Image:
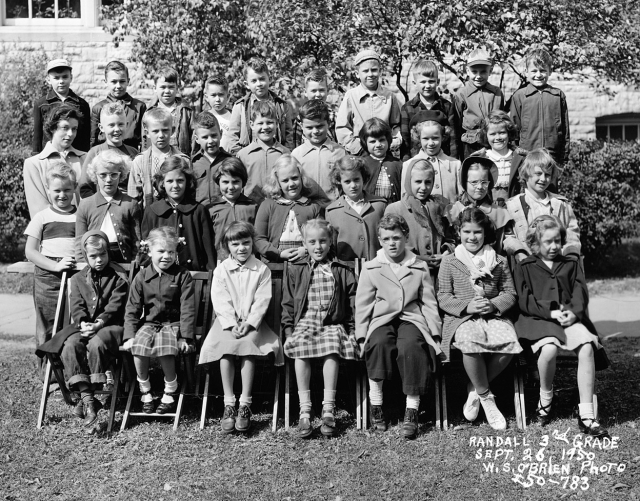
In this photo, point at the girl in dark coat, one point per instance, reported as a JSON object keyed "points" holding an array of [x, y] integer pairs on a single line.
{"points": [[553, 300], [175, 206]]}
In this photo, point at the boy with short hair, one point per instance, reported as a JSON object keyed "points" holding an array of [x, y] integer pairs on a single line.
{"points": [[97, 297], [316, 86], [540, 110], [260, 156], [216, 99], [205, 162], [256, 79], [113, 123], [116, 78], [167, 81], [158, 128], [59, 77], [476, 99], [424, 76], [50, 247], [367, 100], [318, 152]]}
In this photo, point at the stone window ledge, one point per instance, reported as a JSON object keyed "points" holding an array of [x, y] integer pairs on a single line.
{"points": [[53, 34]]}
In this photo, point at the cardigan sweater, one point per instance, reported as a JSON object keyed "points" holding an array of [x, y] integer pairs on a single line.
{"points": [[394, 173], [446, 180], [270, 221], [161, 299], [125, 216], [357, 234], [455, 292], [88, 187], [295, 296], [382, 296], [191, 221]]}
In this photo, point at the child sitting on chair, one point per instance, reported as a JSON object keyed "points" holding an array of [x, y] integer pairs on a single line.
{"points": [[553, 299], [397, 322], [241, 292], [317, 318], [160, 316], [97, 296]]}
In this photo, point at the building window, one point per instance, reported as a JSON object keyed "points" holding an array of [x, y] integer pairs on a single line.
{"points": [[622, 127]]}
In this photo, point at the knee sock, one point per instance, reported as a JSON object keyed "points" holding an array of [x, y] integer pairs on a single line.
{"points": [[246, 400], [170, 387], [413, 402], [375, 392], [305, 400], [586, 411], [109, 376], [145, 387], [329, 399], [545, 399], [230, 400]]}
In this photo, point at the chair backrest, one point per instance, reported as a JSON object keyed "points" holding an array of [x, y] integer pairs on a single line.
{"points": [[204, 310], [278, 274]]}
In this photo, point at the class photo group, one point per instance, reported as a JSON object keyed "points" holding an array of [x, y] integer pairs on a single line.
{"points": [[450, 210]]}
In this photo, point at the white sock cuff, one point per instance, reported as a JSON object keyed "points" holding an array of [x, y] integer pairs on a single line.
{"points": [[586, 411], [246, 400], [413, 402], [171, 386], [375, 392], [230, 400], [145, 385]]}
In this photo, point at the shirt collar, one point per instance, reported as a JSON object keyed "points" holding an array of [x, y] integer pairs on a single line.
{"points": [[531, 197], [361, 91], [52, 96], [531, 89], [49, 150], [126, 99], [258, 144], [232, 264], [306, 147], [150, 272], [116, 199], [285, 201]]}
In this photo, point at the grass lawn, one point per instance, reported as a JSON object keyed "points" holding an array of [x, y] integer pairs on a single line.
{"points": [[148, 461]]}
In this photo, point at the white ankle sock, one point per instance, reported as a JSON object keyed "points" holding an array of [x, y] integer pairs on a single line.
{"points": [[329, 399], [375, 392], [171, 386], [413, 402], [305, 400], [545, 399], [145, 385], [230, 400], [586, 411], [246, 400]]}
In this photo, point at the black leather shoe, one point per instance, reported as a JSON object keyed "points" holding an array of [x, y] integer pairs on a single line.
{"points": [[544, 419], [377, 418], [592, 428], [148, 407], [90, 414], [243, 421], [228, 421], [78, 410], [328, 427], [165, 408], [410, 425]]}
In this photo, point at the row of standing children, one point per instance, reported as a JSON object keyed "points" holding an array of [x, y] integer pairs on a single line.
{"points": [[426, 210]]}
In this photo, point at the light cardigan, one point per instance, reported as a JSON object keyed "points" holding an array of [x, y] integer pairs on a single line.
{"points": [[446, 181], [383, 295], [241, 292], [34, 175]]}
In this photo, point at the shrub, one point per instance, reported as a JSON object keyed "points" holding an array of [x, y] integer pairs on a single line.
{"points": [[21, 83], [602, 181]]}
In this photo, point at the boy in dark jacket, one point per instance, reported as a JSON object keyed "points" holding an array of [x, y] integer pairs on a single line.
{"points": [[425, 77], [87, 347]]}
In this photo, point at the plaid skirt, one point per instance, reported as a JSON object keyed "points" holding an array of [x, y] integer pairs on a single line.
{"points": [[311, 339], [492, 335], [289, 244], [154, 340]]}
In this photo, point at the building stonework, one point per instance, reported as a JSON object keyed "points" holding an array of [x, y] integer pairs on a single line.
{"points": [[89, 57]]}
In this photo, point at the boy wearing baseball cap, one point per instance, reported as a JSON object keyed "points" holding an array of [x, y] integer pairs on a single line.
{"points": [[476, 99], [59, 77], [367, 100]]}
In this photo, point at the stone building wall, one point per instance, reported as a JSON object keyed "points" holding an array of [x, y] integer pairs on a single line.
{"points": [[89, 53]]}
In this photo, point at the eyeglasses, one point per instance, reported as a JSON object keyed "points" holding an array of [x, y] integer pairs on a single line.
{"points": [[475, 184], [109, 175]]}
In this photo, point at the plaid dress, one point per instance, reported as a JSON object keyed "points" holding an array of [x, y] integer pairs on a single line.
{"points": [[311, 339]]}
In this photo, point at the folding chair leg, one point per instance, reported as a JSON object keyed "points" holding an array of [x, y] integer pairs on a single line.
{"points": [[127, 361], [595, 406], [276, 396], [114, 395], [45, 394], [365, 401], [516, 398], [176, 420], [205, 397], [358, 400], [287, 390], [523, 410], [437, 384], [445, 421]]}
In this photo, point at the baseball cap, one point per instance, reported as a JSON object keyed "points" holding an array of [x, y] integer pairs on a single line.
{"points": [[480, 56], [57, 63], [365, 55]]}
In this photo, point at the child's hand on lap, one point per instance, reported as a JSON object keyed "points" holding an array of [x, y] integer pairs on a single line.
{"points": [[556, 315], [242, 330], [567, 318], [480, 305], [88, 329]]}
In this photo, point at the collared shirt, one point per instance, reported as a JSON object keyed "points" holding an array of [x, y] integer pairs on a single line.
{"points": [[359, 105], [259, 159], [316, 162], [291, 231], [356, 205], [445, 170], [473, 104], [34, 175], [145, 166], [537, 206], [503, 162]]}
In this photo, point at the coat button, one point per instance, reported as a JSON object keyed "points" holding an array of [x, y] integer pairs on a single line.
{"points": [[180, 226], [437, 186], [174, 211], [361, 238]]}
